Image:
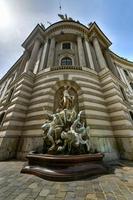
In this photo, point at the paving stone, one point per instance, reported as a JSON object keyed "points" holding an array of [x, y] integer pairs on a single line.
{"points": [[120, 197], [97, 187], [100, 196], [91, 196], [50, 197], [61, 194], [16, 186], [33, 185], [40, 198], [21, 196], [110, 196], [44, 192]]}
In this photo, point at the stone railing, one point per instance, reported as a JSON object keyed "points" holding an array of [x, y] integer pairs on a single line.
{"points": [[65, 67]]}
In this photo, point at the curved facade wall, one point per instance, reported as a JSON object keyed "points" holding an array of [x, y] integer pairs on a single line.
{"points": [[102, 80]]}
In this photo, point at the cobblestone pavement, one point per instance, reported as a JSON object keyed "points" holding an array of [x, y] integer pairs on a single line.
{"points": [[16, 186]]}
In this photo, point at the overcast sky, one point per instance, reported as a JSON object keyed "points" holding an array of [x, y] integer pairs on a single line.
{"points": [[19, 17]]}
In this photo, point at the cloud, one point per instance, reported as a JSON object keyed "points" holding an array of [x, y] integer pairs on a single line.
{"points": [[25, 14]]}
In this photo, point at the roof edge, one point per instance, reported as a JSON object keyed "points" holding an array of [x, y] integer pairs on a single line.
{"points": [[121, 59]]}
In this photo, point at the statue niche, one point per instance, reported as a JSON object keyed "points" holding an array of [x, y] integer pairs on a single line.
{"points": [[66, 98], [64, 132]]}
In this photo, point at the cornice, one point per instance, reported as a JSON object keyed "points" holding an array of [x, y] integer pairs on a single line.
{"points": [[9, 72], [120, 59], [86, 31], [38, 32]]}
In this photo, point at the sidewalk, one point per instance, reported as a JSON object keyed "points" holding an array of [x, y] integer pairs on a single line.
{"points": [[16, 186]]}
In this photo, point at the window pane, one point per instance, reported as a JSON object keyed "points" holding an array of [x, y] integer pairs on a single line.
{"points": [[66, 46], [66, 61]]}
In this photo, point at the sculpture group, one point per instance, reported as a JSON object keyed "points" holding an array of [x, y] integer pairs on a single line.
{"points": [[64, 132], [67, 153]]}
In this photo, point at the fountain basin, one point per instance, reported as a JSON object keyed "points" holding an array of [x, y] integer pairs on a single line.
{"points": [[64, 167]]}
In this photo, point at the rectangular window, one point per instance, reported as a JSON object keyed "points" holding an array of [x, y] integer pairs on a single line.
{"points": [[131, 115], [126, 73], [66, 45], [1, 118], [10, 95], [123, 93]]}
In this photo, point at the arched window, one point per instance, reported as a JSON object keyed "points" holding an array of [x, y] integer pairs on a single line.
{"points": [[2, 117], [131, 84], [126, 73], [66, 61], [131, 114], [10, 95]]}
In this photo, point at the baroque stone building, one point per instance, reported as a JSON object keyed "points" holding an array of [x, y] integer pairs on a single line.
{"points": [[67, 53]]}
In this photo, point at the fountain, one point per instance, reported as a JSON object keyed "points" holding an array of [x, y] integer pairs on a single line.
{"points": [[67, 153]]}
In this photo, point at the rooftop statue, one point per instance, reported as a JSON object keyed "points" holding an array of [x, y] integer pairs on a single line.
{"points": [[66, 18]]}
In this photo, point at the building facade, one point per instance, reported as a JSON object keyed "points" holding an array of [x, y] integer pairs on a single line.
{"points": [[67, 53]]}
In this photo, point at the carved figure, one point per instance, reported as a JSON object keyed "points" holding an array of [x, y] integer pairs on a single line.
{"points": [[76, 136], [67, 99], [51, 127], [80, 132], [65, 131]]}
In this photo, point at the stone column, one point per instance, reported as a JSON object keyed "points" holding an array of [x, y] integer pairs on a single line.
{"points": [[43, 57], [125, 80], [36, 66], [81, 51], [89, 54], [51, 53], [23, 62], [131, 74], [34, 54], [110, 63], [99, 54]]}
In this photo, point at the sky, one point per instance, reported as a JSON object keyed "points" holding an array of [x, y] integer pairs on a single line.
{"points": [[19, 17]]}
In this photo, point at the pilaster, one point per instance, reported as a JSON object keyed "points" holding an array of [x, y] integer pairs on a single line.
{"points": [[23, 62], [5, 88], [87, 44], [81, 51], [43, 57], [110, 63], [34, 54], [99, 54], [51, 53]]}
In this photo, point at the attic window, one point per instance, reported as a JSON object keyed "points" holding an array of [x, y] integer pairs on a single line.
{"points": [[2, 117], [66, 45]]}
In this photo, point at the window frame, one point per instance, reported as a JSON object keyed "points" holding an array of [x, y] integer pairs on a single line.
{"points": [[10, 95], [2, 117], [123, 93], [66, 64], [66, 43]]}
